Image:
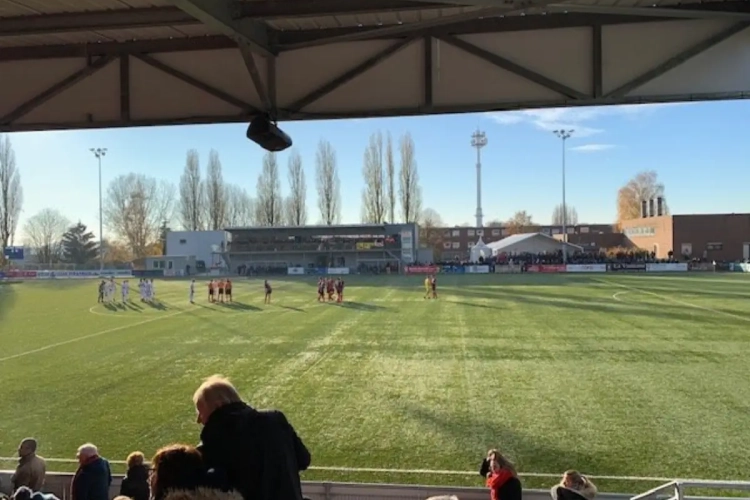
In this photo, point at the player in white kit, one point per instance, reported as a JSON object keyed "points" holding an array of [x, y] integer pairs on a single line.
{"points": [[111, 287], [125, 289], [192, 292], [147, 290], [152, 290]]}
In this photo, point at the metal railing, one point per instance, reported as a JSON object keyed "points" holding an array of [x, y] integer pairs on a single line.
{"points": [[675, 490]]}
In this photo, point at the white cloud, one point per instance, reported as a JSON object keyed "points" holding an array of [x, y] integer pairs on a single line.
{"points": [[591, 148], [577, 118]]}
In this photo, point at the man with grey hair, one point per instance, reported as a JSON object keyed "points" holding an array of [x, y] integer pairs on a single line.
{"points": [[93, 477], [31, 469]]}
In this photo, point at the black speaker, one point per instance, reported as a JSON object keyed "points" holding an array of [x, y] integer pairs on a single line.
{"points": [[267, 135], [644, 209]]}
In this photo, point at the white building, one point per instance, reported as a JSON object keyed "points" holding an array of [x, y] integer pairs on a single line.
{"points": [[204, 245]]}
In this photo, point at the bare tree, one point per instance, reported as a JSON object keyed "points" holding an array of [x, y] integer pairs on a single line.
{"points": [[431, 228], [644, 186], [329, 191], [390, 175], [269, 203], [571, 218], [373, 195], [44, 234], [240, 207], [136, 208], [409, 190], [192, 194], [521, 222], [296, 206], [215, 192], [11, 192]]}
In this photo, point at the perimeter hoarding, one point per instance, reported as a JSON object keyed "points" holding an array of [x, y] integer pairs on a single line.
{"points": [[546, 268], [586, 268], [421, 269]]}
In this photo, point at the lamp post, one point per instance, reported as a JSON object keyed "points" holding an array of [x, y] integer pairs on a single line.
{"points": [[564, 135], [478, 141], [100, 153]]}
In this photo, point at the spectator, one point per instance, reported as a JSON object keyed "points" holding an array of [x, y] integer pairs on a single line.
{"points": [[502, 479], [179, 473], [31, 469], [135, 485], [25, 493], [93, 477], [259, 452], [574, 486]]}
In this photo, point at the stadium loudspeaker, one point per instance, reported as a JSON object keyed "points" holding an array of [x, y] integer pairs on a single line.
{"points": [[651, 211], [644, 209], [267, 135], [659, 206]]}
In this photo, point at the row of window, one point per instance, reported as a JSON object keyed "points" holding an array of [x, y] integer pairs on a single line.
{"points": [[456, 233]]}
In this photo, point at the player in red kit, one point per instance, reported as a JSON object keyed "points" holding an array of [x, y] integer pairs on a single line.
{"points": [[267, 287], [340, 290], [433, 285], [329, 289]]}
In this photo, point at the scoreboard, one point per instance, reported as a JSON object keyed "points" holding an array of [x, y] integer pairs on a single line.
{"points": [[13, 253]]}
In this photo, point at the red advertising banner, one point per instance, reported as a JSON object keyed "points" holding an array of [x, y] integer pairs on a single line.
{"points": [[543, 268], [421, 270], [17, 273]]}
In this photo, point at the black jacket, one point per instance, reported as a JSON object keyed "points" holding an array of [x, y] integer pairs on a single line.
{"points": [[258, 452], [92, 481], [135, 484]]}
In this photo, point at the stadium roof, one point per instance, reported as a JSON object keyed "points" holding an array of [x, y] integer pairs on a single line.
{"points": [[108, 63]]}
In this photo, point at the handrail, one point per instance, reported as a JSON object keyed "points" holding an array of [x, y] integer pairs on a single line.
{"points": [[677, 488]]}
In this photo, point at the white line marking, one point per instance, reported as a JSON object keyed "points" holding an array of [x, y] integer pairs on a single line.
{"points": [[416, 471], [89, 336], [675, 301], [617, 294]]}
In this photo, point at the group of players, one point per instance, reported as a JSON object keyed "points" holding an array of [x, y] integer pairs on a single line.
{"points": [[218, 290], [108, 289], [331, 287]]}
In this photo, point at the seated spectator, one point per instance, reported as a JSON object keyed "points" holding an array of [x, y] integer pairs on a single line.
{"points": [[24, 493], [502, 479], [93, 477], [259, 452], [31, 468], [178, 473], [574, 486], [135, 484]]}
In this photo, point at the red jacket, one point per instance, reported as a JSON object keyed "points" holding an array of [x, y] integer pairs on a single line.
{"points": [[496, 481]]}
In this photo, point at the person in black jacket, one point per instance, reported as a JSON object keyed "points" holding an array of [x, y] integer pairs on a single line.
{"points": [[257, 452], [93, 477], [135, 483]]}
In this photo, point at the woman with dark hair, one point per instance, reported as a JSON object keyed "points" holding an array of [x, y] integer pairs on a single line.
{"points": [[574, 486], [502, 479], [178, 473]]}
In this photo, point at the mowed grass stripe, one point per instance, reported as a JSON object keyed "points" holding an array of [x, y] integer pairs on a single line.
{"points": [[551, 369]]}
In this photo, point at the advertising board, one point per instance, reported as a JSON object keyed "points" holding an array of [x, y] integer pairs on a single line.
{"points": [[586, 268], [667, 267], [117, 273], [508, 269], [421, 269], [627, 268], [453, 269], [702, 267], [478, 269], [338, 270], [18, 273], [546, 268], [295, 271]]}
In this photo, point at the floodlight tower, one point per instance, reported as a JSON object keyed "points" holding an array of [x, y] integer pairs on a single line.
{"points": [[564, 135], [100, 153], [478, 141]]}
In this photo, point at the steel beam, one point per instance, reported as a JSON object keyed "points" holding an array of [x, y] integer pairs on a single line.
{"points": [[218, 14], [56, 89], [597, 72], [269, 9], [219, 94], [428, 72], [347, 76], [125, 87], [677, 60], [252, 68], [683, 12], [271, 82], [514, 68]]}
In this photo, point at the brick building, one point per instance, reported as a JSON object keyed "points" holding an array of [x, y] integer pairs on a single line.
{"points": [[720, 237]]}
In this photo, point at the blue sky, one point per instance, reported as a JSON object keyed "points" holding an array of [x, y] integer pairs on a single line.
{"points": [[700, 151]]}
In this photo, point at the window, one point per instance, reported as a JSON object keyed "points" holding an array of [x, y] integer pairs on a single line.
{"points": [[714, 246], [495, 232], [446, 234], [686, 249], [456, 245], [545, 230], [556, 230], [505, 232], [640, 231], [571, 230], [183, 242], [480, 232], [470, 232], [446, 244], [455, 233], [584, 230]]}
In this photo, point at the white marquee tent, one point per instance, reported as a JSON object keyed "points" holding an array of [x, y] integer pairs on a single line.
{"points": [[480, 250]]}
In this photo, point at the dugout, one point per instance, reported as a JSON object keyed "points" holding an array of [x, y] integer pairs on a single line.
{"points": [[363, 247], [534, 243]]}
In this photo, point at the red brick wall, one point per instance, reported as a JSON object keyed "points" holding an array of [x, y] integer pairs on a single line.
{"points": [[712, 236]]}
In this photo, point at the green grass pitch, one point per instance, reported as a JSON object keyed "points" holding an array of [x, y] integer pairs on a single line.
{"points": [[614, 375]]}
